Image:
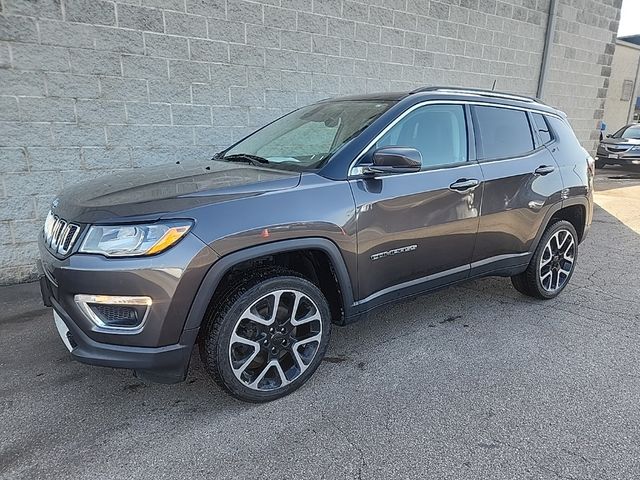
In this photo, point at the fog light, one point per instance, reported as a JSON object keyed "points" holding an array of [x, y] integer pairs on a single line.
{"points": [[115, 314]]}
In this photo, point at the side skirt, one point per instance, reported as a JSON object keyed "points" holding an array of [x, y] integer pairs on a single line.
{"points": [[501, 266]]}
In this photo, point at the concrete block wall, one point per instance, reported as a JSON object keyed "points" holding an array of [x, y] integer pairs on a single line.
{"points": [[88, 87], [583, 47]]}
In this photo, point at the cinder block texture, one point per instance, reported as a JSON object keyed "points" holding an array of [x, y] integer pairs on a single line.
{"points": [[95, 86]]}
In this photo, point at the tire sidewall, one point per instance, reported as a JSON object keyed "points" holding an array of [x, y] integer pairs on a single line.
{"points": [[230, 318], [561, 225]]}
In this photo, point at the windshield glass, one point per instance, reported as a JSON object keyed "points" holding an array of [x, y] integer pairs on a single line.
{"points": [[632, 131], [306, 138]]}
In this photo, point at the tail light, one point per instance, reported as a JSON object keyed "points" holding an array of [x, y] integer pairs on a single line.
{"points": [[591, 166]]}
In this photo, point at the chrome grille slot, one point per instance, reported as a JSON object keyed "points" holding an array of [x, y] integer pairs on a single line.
{"points": [[617, 148], [69, 238], [61, 225], [59, 235]]}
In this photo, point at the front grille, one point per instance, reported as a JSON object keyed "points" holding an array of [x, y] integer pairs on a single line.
{"points": [[59, 235], [617, 148]]}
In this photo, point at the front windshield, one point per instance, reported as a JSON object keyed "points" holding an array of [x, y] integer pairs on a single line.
{"points": [[306, 138], [632, 131]]}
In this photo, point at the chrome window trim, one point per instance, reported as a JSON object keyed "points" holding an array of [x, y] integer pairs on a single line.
{"points": [[83, 302], [355, 171]]}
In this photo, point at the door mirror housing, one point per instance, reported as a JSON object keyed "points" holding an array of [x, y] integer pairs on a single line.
{"points": [[395, 160], [609, 135]]}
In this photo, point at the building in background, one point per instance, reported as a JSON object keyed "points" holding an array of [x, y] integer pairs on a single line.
{"points": [[623, 97], [88, 87]]}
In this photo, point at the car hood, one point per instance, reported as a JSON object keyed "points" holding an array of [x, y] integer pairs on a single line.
{"points": [[148, 194], [620, 141]]}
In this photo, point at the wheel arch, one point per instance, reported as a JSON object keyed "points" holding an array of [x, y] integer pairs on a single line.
{"points": [[214, 278], [575, 214], [573, 210]]}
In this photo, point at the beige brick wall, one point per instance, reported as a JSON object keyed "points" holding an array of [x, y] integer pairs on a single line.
{"points": [[623, 68], [581, 63]]}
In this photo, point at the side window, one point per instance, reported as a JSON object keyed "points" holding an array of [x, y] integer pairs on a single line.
{"points": [[542, 127], [563, 132], [503, 132], [439, 132]]}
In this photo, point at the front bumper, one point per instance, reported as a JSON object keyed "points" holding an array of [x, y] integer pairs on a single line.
{"points": [[159, 351], [167, 364], [626, 158]]}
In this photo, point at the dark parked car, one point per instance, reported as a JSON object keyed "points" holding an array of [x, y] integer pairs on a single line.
{"points": [[621, 148], [313, 220]]}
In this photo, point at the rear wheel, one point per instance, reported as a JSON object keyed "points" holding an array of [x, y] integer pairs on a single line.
{"points": [[552, 264], [267, 336]]}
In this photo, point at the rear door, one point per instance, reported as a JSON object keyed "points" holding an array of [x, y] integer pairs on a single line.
{"points": [[521, 183], [416, 230]]}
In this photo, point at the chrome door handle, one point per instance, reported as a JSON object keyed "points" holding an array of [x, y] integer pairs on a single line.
{"points": [[464, 184], [544, 170]]}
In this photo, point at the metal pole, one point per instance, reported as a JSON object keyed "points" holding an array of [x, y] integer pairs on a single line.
{"points": [[548, 43]]}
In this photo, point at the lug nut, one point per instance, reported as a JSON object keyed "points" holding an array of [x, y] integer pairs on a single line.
{"points": [[284, 342], [271, 330], [274, 350]]}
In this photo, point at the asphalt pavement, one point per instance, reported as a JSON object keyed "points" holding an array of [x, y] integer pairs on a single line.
{"points": [[472, 382]]}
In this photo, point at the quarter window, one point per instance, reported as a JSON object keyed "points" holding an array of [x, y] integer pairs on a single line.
{"points": [[438, 132], [543, 129], [502, 132]]}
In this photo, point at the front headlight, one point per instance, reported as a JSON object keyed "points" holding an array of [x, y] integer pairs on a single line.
{"points": [[132, 240]]}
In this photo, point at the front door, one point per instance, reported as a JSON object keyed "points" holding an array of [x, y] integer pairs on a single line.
{"points": [[417, 230]]}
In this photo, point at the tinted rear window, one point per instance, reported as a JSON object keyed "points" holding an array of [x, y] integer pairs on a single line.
{"points": [[502, 132], [563, 132], [542, 127]]}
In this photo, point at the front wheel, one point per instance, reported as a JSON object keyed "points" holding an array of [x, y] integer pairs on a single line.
{"points": [[552, 264], [267, 337]]}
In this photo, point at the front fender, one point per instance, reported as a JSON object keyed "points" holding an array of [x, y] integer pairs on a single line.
{"points": [[217, 271]]}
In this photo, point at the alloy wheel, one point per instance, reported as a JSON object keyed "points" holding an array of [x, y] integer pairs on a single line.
{"points": [[557, 261], [275, 340]]}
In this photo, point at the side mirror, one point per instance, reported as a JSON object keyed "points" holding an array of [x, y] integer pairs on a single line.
{"points": [[395, 160], [608, 135]]}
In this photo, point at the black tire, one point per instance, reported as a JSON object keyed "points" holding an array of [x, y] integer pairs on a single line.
{"points": [[225, 318], [529, 282], [600, 164]]}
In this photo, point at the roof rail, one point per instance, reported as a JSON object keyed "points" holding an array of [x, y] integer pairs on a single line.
{"points": [[477, 91]]}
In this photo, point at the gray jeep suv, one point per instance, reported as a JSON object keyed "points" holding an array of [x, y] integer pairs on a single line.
{"points": [[315, 219]]}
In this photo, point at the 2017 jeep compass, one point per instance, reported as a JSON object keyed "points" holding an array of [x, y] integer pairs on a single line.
{"points": [[313, 220]]}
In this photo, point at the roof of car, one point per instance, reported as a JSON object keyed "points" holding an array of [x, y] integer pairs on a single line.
{"points": [[379, 96], [457, 92]]}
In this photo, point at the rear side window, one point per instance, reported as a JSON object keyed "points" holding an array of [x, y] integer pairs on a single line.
{"points": [[563, 132], [541, 126], [502, 132]]}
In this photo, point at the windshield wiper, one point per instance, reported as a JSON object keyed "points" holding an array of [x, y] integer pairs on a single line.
{"points": [[245, 157]]}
